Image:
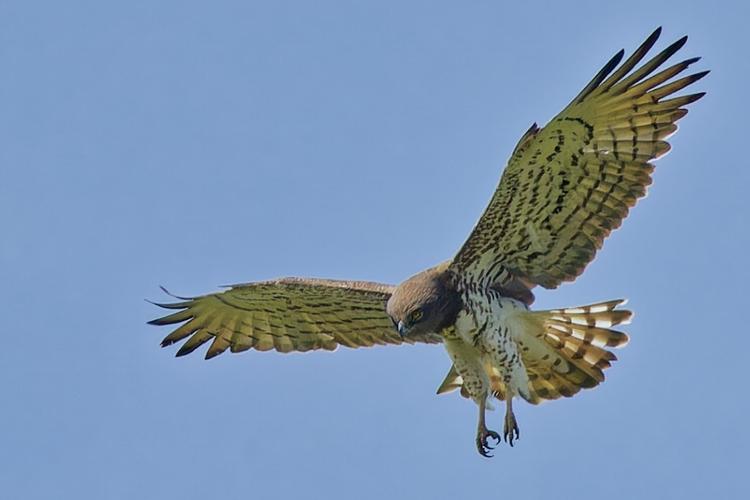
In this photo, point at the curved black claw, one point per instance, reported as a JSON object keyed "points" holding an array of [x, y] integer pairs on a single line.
{"points": [[483, 446], [511, 431]]}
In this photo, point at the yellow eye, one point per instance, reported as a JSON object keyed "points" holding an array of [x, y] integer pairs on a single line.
{"points": [[416, 316]]}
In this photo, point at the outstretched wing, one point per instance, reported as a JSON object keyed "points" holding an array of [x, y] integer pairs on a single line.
{"points": [[290, 314], [569, 184]]}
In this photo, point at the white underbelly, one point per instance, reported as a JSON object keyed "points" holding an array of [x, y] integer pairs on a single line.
{"points": [[492, 326]]}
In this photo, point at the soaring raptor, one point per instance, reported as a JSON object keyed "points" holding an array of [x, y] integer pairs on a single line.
{"points": [[565, 188]]}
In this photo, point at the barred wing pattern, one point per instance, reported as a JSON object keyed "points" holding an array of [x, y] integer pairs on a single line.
{"points": [[569, 184], [290, 314]]}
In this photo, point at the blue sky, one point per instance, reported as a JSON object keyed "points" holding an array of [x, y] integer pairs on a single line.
{"points": [[194, 144]]}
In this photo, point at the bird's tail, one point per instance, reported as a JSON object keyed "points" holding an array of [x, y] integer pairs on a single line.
{"points": [[565, 350]]}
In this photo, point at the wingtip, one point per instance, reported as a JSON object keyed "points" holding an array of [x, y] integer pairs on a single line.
{"points": [[702, 74], [699, 75], [629, 319], [163, 289], [182, 352], [610, 66], [175, 305], [651, 39], [618, 57], [678, 44]]}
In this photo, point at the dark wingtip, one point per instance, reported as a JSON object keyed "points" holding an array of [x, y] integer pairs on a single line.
{"points": [[163, 305], [652, 38], [183, 351], [172, 319], [159, 321], [173, 295], [615, 60], [697, 76], [601, 75], [678, 44]]}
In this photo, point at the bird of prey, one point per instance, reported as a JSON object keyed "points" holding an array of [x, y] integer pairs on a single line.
{"points": [[566, 187]]}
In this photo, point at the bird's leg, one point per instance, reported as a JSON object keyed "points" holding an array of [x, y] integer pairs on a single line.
{"points": [[483, 432], [510, 430]]}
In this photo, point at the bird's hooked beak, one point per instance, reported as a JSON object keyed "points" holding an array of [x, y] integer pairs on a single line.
{"points": [[402, 329]]}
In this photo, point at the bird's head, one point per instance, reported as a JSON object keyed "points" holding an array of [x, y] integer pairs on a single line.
{"points": [[425, 303]]}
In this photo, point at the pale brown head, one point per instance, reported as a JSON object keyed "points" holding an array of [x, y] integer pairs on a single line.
{"points": [[425, 303]]}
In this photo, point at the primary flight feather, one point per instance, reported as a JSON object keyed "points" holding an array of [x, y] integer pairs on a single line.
{"points": [[565, 188]]}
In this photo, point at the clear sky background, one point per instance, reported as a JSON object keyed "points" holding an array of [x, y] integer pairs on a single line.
{"points": [[194, 144]]}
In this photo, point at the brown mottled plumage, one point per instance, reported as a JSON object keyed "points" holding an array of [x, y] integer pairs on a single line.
{"points": [[289, 314], [565, 188], [432, 294]]}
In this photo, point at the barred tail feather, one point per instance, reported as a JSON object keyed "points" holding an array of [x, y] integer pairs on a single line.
{"points": [[565, 350]]}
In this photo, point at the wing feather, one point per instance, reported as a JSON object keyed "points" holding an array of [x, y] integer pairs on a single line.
{"points": [[568, 185], [290, 314]]}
